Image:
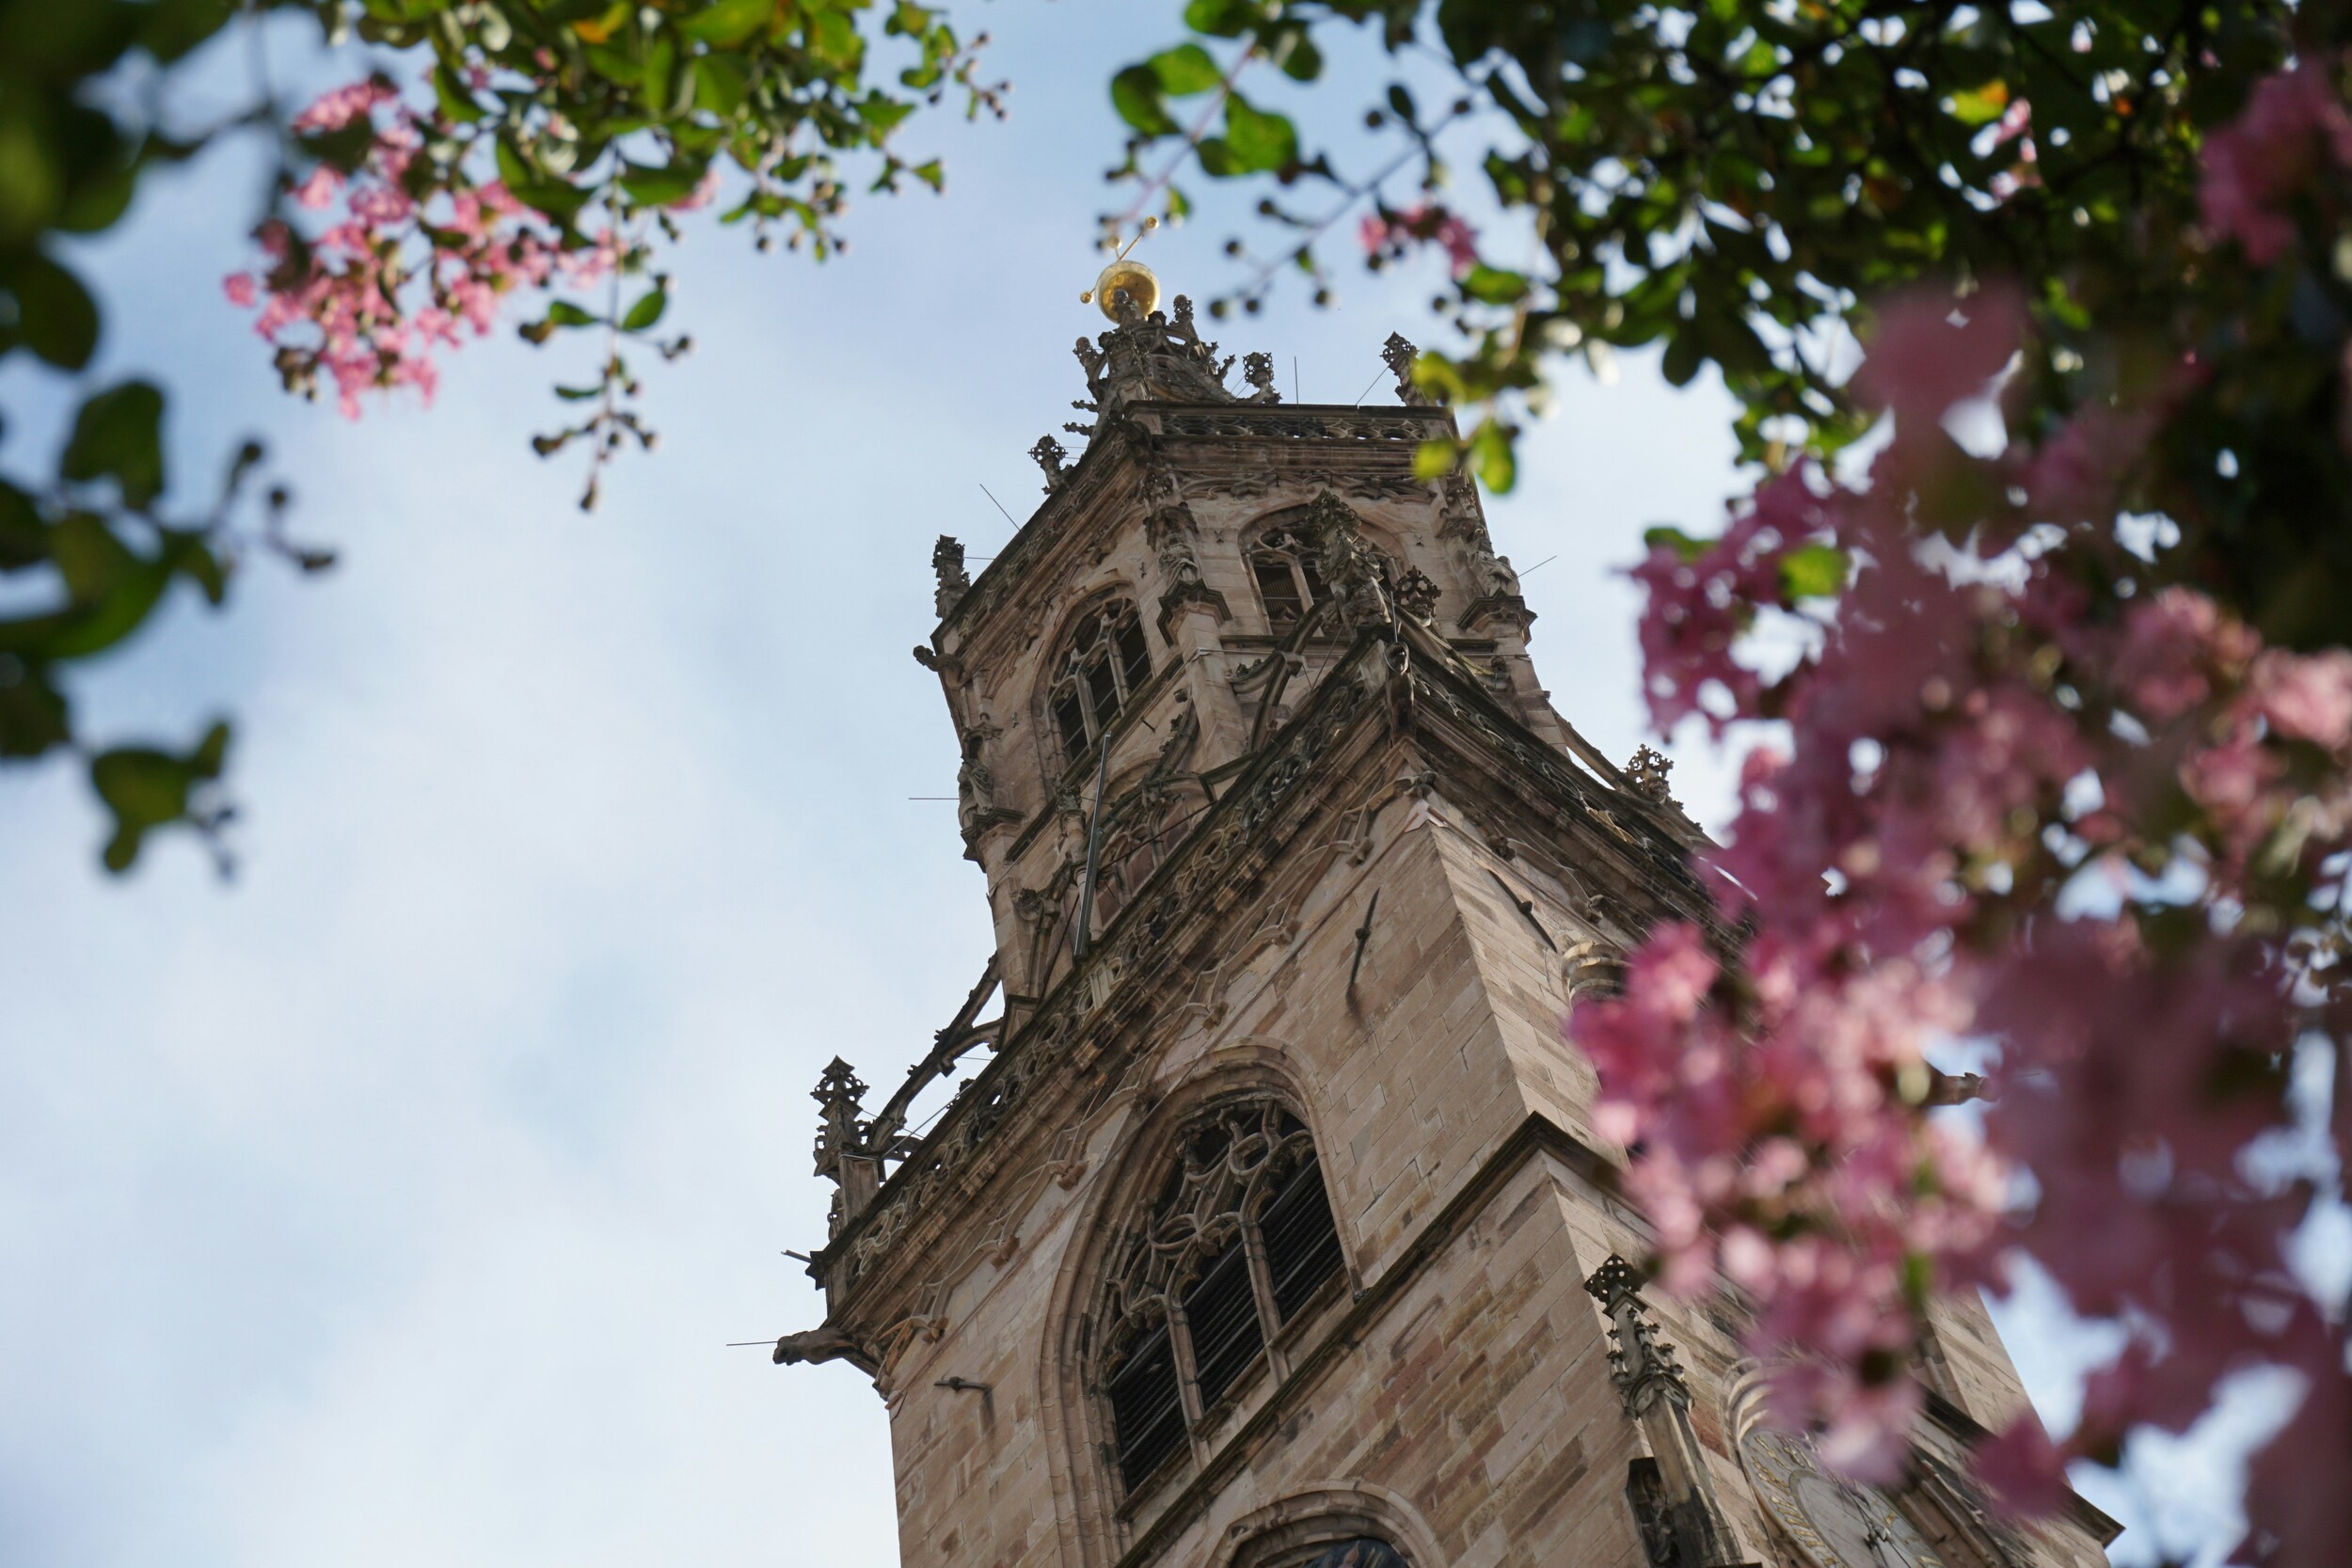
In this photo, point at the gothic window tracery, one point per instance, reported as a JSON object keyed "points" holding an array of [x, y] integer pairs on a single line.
{"points": [[1239, 1245], [1142, 828], [1103, 662], [1282, 562], [1287, 565]]}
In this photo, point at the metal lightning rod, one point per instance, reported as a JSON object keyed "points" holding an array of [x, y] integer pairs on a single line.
{"points": [[1094, 845]]}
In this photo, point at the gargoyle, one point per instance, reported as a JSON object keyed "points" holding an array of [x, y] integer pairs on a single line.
{"points": [[825, 1342]]}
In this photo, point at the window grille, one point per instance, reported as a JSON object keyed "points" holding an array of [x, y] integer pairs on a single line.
{"points": [[1104, 663], [1364, 1552], [1240, 1242]]}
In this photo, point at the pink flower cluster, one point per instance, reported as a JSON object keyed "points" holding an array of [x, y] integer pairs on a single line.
{"points": [[1391, 234], [2294, 125], [417, 252], [2101, 836]]}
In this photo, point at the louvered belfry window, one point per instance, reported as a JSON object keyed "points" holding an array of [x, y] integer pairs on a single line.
{"points": [[1240, 1242], [1288, 579], [1104, 661]]}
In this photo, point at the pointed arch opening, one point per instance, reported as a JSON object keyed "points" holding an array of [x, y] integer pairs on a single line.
{"points": [[1237, 1243], [1287, 567], [1101, 662]]}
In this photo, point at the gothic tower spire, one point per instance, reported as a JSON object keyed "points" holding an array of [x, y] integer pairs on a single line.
{"points": [[1271, 1225]]}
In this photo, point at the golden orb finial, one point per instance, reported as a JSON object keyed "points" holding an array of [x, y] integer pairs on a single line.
{"points": [[1132, 277]]}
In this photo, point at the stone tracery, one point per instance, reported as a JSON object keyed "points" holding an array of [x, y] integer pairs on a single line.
{"points": [[1239, 1242]]}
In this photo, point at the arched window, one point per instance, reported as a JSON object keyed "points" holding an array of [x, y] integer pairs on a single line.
{"points": [[1240, 1243], [1103, 662], [1283, 562]]}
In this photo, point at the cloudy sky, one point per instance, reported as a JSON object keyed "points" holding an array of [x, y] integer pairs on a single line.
{"points": [[394, 1202]]}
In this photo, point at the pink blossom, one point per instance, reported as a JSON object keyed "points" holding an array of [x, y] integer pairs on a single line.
{"points": [[1933, 351], [2305, 697], [1966, 751], [319, 189], [396, 275], [332, 111], [706, 191], [240, 288], [2015, 121], [2025, 1470], [1391, 234], [2293, 124]]}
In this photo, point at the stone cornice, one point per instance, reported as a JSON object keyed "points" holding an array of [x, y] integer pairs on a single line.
{"points": [[1344, 434]]}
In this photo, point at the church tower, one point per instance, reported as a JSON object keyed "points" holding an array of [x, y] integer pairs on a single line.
{"points": [[1268, 1226]]}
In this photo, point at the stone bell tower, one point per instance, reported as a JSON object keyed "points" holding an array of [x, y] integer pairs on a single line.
{"points": [[1268, 1226]]}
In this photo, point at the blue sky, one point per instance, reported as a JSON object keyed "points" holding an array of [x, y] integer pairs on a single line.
{"points": [[394, 1202]]}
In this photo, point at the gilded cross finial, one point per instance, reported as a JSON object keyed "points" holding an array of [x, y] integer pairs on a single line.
{"points": [[1126, 287]]}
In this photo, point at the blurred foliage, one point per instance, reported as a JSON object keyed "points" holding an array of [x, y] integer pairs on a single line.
{"points": [[587, 106], [1738, 187]]}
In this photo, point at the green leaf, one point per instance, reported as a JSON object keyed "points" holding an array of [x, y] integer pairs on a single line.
{"points": [[455, 99], [725, 23], [1185, 70], [24, 537], [563, 313], [646, 311], [1493, 285], [212, 753], [1136, 94], [660, 187], [1220, 19], [33, 717], [1491, 455], [1433, 458], [833, 40], [1813, 572], [143, 789], [1980, 105], [1667, 536], [721, 83], [1300, 60], [1682, 358], [557, 199], [118, 435], [56, 318], [512, 168], [173, 28], [1261, 142], [31, 177]]}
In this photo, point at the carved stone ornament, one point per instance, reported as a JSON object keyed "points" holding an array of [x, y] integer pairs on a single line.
{"points": [[1154, 358], [1398, 353], [1350, 568], [1643, 1365], [1647, 773], [1416, 595], [1648, 1377], [1258, 371], [1050, 455], [954, 581]]}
